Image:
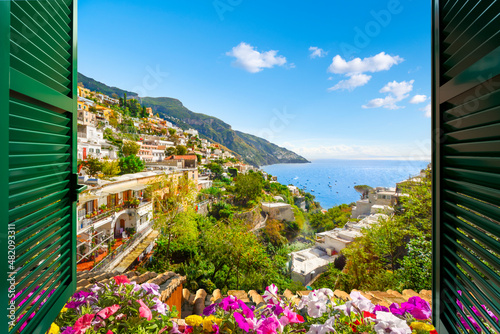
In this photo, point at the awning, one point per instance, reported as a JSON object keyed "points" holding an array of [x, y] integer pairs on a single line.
{"points": [[139, 187], [119, 189], [88, 197]]}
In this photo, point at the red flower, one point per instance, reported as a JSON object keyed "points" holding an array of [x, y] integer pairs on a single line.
{"points": [[369, 315], [433, 331], [354, 327], [122, 279]]}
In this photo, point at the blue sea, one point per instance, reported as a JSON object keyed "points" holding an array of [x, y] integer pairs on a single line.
{"points": [[342, 176]]}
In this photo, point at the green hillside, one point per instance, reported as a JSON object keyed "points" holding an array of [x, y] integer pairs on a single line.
{"points": [[252, 149]]}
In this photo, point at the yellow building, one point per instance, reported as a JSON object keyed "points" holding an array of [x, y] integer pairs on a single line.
{"points": [[83, 92]]}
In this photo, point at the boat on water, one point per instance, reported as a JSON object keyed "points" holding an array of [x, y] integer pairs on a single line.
{"points": [[312, 190]]}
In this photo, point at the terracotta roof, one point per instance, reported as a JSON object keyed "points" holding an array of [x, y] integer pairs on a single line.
{"points": [[168, 281], [181, 157]]}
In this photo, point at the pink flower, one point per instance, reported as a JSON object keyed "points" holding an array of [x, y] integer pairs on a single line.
{"points": [[105, 313], [109, 332], [83, 323], [269, 326], [290, 317], [241, 321], [144, 310], [122, 279]]}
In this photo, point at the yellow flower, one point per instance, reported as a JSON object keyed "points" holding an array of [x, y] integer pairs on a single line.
{"points": [[194, 320], [64, 309], [209, 321], [54, 329], [422, 326]]}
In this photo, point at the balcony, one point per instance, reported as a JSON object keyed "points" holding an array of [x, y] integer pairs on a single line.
{"points": [[139, 207]]}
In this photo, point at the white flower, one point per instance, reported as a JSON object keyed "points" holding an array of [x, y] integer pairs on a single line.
{"points": [[363, 303], [270, 295], [389, 323], [320, 329], [316, 302]]}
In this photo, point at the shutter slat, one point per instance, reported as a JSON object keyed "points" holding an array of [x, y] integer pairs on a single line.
{"points": [[56, 74], [49, 209], [27, 24], [19, 174], [35, 16], [38, 75], [38, 46], [485, 148], [36, 182], [36, 193], [33, 148], [20, 108], [50, 224], [477, 119], [24, 210], [452, 15], [487, 132], [56, 62], [486, 194], [20, 135], [26, 123], [485, 209], [61, 21], [478, 178], [479, 235], [486, 164], [58, 269], [484, 286], [470, 287]]}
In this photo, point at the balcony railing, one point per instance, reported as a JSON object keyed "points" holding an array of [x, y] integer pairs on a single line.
{"points": [[122, 248]]}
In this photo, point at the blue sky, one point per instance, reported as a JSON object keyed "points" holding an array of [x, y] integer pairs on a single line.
{"points": [[327, 79]]}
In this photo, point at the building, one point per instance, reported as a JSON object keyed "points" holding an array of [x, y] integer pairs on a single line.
{"points": [[91, 143], [104, 99], [379, 196], [83, 92], [85, 116], [182, 161], [278, 211]]}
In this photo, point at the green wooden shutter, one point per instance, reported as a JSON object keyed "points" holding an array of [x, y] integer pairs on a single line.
{"points": [[38, 102], [466, 161]]}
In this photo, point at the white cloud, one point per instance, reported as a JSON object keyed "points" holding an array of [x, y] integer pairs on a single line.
{"points": [[254, 61], [377, 63], [409, 152], [396, 91], [418, 99], [428, 110], [354, 81], [317, 52]]}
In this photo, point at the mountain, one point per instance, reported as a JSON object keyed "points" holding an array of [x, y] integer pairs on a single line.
{"points": [[254, 150], [97, 86]]}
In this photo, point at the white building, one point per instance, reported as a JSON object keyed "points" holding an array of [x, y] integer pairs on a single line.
{"points": [[192, 132], [379, 196], [279, 211]]}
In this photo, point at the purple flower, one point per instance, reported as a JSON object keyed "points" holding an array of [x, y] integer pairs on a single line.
{"points": [[493, 316], [68, 330], [159, 306], [175, 328], [75, 304], [380, 308], [472, 321], [151, 288], [210, 309], [82, 295], [419, 308], [229, 303], [246, 310]]}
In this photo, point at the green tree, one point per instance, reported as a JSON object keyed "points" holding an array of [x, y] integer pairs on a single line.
{"points": [[144, 113], [131, 164], [216, 170], [181, 150], [130, 148], [248, 187], [416, 268], [111, 168], [92, 166], [125, 100], [170, 151], [172, 131]]}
